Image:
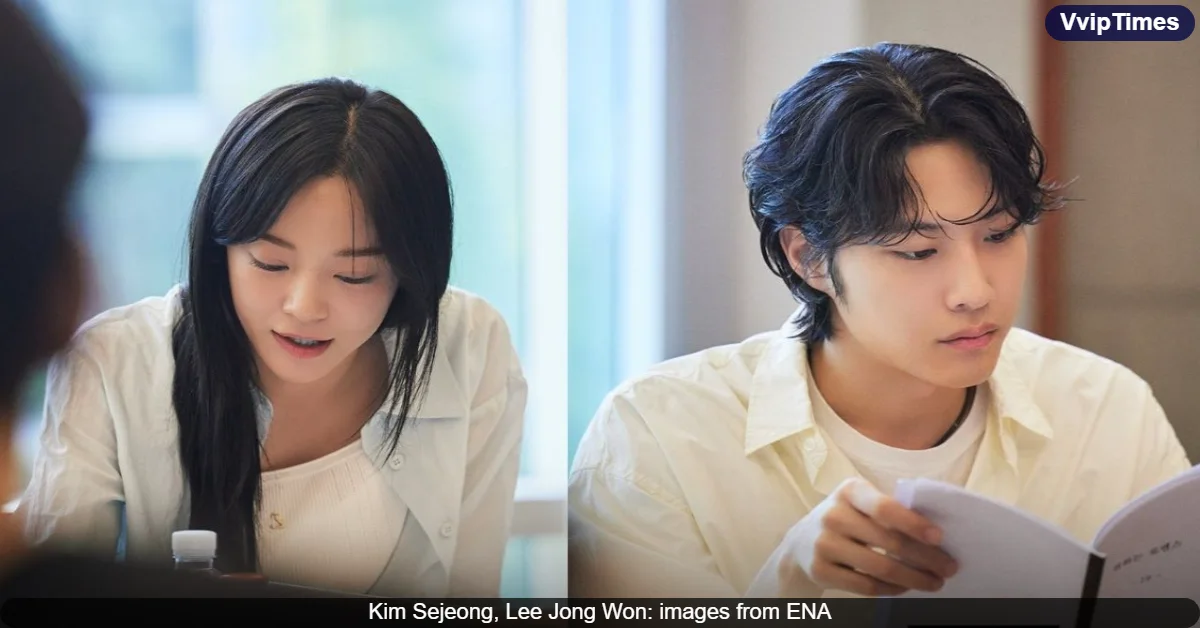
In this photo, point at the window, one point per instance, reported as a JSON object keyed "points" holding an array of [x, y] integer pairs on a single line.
{"points": [[616, 96], [164, 77]]}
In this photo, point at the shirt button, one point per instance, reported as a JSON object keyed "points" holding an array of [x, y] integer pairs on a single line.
{"points": [[447, 529], [810, 445], [397, 461]]}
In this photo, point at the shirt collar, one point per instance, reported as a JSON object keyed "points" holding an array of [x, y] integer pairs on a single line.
{"points": [[1011, 396], [780, 406], [779, 403], [426, 449]]}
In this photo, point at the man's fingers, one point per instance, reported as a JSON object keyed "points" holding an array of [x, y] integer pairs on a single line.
{"points": [[888, 512], [846, 579], [849, 522], [840, 550]]}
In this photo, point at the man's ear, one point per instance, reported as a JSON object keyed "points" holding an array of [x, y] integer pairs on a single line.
{"points": [[795, 246]]}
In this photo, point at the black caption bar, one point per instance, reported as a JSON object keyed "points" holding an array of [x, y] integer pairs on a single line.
{"points": [[864, 613]]}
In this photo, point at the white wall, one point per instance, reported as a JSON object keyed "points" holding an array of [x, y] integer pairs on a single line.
{"points": [[727, 62]]}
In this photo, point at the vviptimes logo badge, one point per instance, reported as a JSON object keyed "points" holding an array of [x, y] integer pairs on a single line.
{"points": [[1111, 22]]}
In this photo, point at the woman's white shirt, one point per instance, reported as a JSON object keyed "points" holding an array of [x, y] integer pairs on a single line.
{"points": [[108, 472]]}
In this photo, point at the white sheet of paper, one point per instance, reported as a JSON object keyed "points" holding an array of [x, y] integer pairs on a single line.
{"points": [[1001, 552], [1152, 545]]}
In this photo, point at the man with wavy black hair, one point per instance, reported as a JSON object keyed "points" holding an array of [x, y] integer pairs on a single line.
{"points": [[892, 187]]}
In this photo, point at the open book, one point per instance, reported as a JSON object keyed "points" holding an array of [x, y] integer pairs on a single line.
{"points": [[1149, 548]]}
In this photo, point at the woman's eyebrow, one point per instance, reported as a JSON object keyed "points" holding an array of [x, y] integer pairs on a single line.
{"points": [[370, 251], [367, 252], [278, 241]]}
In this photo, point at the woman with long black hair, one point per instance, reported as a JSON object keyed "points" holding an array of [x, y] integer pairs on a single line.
{"points": [[315, 392]]}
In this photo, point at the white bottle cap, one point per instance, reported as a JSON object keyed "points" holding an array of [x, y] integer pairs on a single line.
{"points": [[194, 544]]}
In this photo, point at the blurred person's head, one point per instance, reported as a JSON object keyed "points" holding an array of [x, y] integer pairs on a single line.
{"points": [[324, 218], [43, 127], [891, 187]]}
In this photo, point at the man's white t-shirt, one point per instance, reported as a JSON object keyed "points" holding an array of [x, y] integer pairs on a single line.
{"points": [[883, 465]]}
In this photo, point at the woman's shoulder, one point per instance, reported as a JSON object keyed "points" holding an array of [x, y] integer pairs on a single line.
{"points": [[461, 305], [137, 331], [469, 319], [474, 343]]}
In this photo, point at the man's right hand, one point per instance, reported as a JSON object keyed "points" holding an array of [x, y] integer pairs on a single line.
{"points": [[835, 544]]}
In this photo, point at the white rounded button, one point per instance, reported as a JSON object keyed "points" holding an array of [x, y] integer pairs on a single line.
{"points": [[447, 529], [397, 461], [810, 444]]}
